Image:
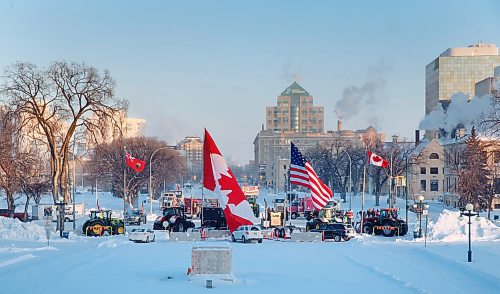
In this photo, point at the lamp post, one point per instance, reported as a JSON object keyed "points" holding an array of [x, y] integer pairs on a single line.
{"points": [[151, 181], [420, 206], [470, 212], [60, 206], [350, 178]]}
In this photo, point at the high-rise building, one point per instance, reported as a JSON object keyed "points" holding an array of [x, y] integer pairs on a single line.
{"points": [[295, 112], [458, 70], [193, 148]]}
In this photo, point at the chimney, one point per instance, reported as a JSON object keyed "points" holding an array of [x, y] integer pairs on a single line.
{"points": [[339, 125], [417, 137]]}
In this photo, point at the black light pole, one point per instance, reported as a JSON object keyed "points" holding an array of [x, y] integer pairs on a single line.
{"points": [[470, 212], [419, 206]]}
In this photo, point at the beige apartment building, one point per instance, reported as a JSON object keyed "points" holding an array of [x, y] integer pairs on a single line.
{"points": [[427, 170], [192, 150]]}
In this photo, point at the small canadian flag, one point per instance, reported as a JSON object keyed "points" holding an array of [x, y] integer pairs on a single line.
{"points": [[377, 160], [134, 163]]}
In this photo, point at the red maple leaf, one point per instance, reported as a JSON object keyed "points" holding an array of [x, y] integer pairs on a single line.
{"points": [[226, 183]]}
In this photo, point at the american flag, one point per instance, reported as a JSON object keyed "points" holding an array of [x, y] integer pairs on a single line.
{"points": [[303, 174]]}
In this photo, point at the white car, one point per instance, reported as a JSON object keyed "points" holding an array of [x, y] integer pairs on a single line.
{"points": [[142, 235], [247, 233]]}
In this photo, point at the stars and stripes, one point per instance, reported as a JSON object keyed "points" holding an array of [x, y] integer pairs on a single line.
{"points": [[303, 174]]}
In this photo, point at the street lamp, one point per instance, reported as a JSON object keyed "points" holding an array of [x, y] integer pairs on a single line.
{"points": [[470, 212], [60, 206], [151, 181], [419, 207], [350, 178]]}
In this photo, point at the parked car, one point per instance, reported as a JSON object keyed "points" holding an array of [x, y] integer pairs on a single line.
{"points": [[142, 235], [135, 217], [247, 233], [337, 232], [19, 215]]}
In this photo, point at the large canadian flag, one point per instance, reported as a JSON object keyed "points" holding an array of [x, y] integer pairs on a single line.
{"points": [[218, 177], [377, 160]]}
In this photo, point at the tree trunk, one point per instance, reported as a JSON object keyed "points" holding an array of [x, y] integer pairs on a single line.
{"points": [[26, 205], [10, 200]]}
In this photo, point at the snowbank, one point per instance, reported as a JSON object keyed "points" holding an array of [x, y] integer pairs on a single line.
{"points": [[14, 229], [449, 228]]}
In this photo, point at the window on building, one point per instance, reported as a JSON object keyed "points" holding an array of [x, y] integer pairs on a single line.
{"points": [[434, 171], [434, 156], [422, 171], [496, 182], [434, 185], [497, 206], [423, 185]]}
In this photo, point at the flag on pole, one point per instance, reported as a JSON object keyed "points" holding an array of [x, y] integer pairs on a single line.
{"points": [[134, 163], [377, 160], [303, 174], [218, 177]]}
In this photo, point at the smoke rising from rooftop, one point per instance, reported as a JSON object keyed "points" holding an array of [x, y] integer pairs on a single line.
{"points": [[461, 110], [367, 96]]}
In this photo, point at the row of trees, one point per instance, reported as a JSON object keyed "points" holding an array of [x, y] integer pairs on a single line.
{"points": [[332, 164], [44, 110]]}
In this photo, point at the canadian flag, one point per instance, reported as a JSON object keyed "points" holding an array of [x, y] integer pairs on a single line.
{"points": [[134, 163], [377, 160], [218, 177]]}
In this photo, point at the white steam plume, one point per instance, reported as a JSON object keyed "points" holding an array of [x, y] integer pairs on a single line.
{"points": [[461, 110]]}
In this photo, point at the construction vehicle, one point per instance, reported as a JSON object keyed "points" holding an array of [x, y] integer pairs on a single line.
{"points": [[326, 215], [386, 224], [173, 219], [101, 222]]}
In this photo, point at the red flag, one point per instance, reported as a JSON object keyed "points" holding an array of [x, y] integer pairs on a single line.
{"points": [[377, 160], [218, 177], [134, 163]]}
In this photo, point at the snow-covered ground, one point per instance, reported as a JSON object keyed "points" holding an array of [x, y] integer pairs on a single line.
{"points": [[372, 264]]}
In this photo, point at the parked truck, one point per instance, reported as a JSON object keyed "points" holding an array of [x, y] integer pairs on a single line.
{"points": [[9, 213]]}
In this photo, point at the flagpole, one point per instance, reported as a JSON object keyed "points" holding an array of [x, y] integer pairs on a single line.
{"points": [[363, 199], [202, 182], [124, 181], [390, 185], [96, 197]]}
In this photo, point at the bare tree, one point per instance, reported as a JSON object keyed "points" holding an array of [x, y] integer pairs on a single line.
{"points": [[16, 159], [490, 121], [58, 100], [109, 163]]}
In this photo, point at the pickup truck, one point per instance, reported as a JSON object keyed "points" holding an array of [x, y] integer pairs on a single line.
{"points": [[9, 213]]}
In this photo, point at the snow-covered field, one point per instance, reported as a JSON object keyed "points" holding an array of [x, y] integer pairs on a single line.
{"points": [[371, 264]]}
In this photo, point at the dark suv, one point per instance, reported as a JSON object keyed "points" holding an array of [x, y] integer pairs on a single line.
{"points": [[336, 232]]}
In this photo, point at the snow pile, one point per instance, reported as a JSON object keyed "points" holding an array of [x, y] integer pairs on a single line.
{"points": [[14, 229], [108, 244], [449, 228]]}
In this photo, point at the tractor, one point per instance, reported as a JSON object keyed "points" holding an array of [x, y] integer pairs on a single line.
{"points": [[386, 224], [100, 222], [326, 215], [175, 218]]}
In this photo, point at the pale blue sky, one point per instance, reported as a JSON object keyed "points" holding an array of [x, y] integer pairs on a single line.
{"points": [[185, 65]]}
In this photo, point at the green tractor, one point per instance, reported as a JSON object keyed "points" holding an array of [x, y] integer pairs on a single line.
{"points": [[100, 222]]}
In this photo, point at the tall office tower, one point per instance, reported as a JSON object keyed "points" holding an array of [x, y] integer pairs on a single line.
{"points": [[458, 70], [295, 112]]}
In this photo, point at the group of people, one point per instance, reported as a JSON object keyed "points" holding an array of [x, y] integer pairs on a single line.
{"points": [[370, 212]]}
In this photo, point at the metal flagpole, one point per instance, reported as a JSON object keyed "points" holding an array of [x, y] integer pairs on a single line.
{"points": [[390, 185], [363, 199], [124, 181]]}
